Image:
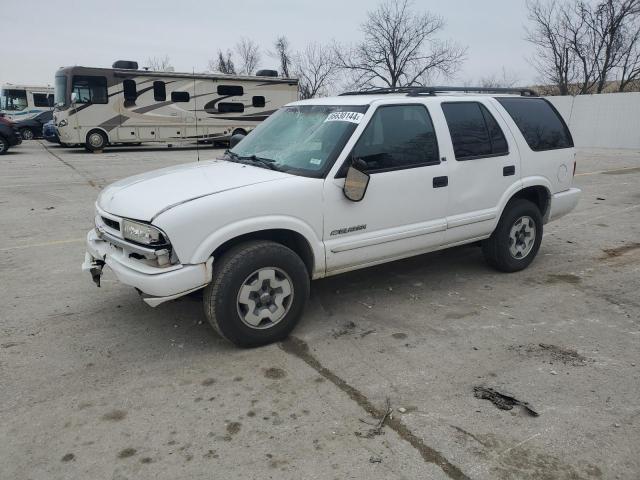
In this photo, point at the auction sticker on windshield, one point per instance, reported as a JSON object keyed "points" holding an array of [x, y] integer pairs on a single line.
{"points": [[353, 117]]}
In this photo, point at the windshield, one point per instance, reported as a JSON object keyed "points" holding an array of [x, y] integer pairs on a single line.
{"points": [[302, 139], [60, 92], [13, 100]]}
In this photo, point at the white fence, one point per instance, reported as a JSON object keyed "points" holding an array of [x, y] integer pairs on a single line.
{"points": [[608, 120]]}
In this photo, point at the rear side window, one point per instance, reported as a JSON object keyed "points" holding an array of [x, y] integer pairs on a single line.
{"points": [[397, 137], [231, 90], [258, 101], [159, 91], [41, 100], [540, 124], [230, 107], [180, 97], [129, 89], [474, 131]]}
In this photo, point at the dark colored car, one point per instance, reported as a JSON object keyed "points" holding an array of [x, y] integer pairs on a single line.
{"points": [[49, 132], [32, 128], [9, 135]]}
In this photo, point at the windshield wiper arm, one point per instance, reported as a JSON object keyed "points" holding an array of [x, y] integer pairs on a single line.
{"points": [[253, 159]]}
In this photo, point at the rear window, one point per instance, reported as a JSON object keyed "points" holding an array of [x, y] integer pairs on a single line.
{"points": [[540, 124]]}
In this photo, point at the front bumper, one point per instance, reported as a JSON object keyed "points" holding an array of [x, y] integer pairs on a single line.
{"points": [[156, 284]]}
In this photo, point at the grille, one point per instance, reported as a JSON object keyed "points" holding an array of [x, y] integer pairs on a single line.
{"points": [[111, 223]]}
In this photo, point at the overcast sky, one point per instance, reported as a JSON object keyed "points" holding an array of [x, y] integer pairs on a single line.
{"points": [[40, 36]]}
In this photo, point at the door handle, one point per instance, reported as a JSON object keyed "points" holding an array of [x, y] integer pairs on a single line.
{"points": [[508, 170], [440, 182]]}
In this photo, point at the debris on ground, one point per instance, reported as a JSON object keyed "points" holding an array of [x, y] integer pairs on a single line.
{"points": [[377, 428], [375, 460], [553, 353], [504, 401]]}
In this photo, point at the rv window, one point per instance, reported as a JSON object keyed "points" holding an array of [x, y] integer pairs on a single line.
{"points": [[258, 102], [50, 99], [180, 96], [40, 100], [159, 91], [231, 90], [129, 89], [14, 100], [230, 107], [90, 89]]}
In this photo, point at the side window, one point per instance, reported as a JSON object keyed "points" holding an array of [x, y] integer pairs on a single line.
{"points": [[180, 97], [129, 89], [231, 90], [540, 124], [90, 89], [40, 100], [50, 99], [474, 131], [258, 101], [230, 107], [398, 136], [159, 91]]}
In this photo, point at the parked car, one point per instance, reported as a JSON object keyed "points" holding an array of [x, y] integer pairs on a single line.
{"points": [[49, 132], [329, 185], [9, 135], [32, 128]]}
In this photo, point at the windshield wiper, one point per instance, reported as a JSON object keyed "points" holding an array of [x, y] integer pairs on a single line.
{"points": [[255, 160]]}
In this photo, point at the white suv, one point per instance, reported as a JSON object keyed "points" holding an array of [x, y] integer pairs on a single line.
{"points": [[329, 185]]}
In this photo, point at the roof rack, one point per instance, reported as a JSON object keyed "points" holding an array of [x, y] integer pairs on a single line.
{"points": [[418, 91]]}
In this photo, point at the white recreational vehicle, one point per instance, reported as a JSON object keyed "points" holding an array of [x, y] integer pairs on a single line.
{"points": [[98, 106], [22, 102]]}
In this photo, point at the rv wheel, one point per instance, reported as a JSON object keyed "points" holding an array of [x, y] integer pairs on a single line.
{"points": [[240, 131], [96, 140]]}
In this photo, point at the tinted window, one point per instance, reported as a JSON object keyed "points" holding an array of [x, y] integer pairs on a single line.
{"points": [[258, 101], [474, 131], [230, 107], [180, 96], [539, 123], [129, 89], [50, 99], [159, 91], [90, 89], [41, 100], [398, 136], [233, 90]]}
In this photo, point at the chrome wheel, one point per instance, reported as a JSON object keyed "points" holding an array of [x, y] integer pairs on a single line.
{"points": [[265, 297], [27, 134], [522, 237], [96, 140]]}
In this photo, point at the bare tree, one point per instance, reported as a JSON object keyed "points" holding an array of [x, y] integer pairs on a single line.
{"points": [[249, 53], [316, 70], [223, 63], [506, 79], [159, 64], [283, 54], [399, 48], [630, 61]]}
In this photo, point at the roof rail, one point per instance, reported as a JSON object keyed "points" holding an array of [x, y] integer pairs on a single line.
{"points": [[417, 91]]}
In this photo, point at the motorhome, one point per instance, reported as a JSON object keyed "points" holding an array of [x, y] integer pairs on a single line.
{"points": [[23, 102], [95, 107]]}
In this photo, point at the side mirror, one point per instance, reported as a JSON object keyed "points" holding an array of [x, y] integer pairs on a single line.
{"points": [[74, 97], [235, 139], [355, 183]]}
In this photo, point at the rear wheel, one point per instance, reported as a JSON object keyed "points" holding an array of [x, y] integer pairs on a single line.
{"points": [[257, 295], [96, 140], [4, 146], [27, 134], [516, 240]]}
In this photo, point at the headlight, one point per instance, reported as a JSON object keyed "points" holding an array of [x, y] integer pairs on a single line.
{"points": [[142, 233], [63, 123]]}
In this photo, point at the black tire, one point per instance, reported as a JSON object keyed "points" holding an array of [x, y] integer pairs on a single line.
{"points": [[4, 146], [233, 271], [498, 248], [239, 131], [27, 134], [96, 140]]}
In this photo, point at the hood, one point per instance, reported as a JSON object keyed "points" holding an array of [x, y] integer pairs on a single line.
{"points": [[145, 196]]}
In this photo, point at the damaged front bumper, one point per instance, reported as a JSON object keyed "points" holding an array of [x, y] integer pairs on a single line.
{"points": [[156, 284]]}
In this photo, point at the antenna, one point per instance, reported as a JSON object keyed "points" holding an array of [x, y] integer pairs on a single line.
{"points": [[195, 111]]}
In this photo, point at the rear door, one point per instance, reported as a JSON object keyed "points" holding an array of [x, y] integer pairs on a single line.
{"points": [[402, 212], [484, 165]]}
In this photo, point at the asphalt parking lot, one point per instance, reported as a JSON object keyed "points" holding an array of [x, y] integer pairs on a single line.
{"points": [[95, 384]]}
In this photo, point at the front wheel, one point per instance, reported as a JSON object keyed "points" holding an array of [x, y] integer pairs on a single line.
{"points": [[4, 146], [516, 240], [258, 293], [27, 134], [96, 140]]}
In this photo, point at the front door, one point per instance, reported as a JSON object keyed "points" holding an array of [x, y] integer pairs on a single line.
{"points": [[403, 211]]}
